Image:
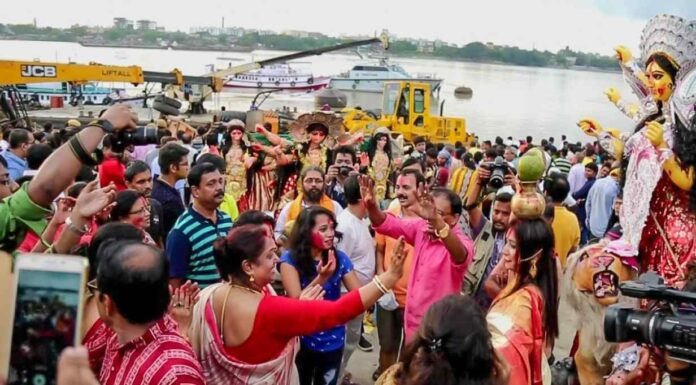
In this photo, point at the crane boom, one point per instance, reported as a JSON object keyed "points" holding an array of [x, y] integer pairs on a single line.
{"points": [[383, 38], [25, 72]]}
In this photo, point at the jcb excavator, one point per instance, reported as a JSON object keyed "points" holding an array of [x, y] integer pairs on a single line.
{"points": [[406, 110], [13, 73]]}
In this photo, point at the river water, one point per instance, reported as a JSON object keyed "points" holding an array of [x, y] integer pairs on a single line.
{"points": [[507, 100]]}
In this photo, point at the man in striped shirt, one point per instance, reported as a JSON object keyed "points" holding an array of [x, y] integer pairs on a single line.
{"points": [[190, 242]]}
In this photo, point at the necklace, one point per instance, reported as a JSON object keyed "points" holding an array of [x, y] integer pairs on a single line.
{"points": [[245, 288]]}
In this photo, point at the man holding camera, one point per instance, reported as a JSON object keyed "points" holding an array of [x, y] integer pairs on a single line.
{"points": [[344, 165], [489, 234]]}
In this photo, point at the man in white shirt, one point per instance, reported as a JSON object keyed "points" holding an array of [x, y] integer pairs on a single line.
{"points": [[359, 245]]}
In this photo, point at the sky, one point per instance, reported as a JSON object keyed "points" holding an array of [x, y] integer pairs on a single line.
{"points": [[584, 25]]}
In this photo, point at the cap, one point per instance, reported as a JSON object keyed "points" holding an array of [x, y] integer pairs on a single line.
{"points": [[74, 123], [235, 123]]}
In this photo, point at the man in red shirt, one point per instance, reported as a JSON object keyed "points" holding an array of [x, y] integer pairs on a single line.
{"points": [[112, 168], [138, 342]]}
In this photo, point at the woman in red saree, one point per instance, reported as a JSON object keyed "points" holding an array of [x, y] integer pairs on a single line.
{"points": [[523, 316], [245, 335]]}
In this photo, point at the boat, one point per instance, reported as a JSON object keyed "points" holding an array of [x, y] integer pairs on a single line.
{"points": [[277, 77], [370, 77], [42, 93]]}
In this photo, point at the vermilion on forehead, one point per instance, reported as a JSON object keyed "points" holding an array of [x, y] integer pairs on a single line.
{"points": [[406, 179]]}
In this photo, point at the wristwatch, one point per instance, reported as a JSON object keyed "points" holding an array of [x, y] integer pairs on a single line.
{"points": [[79, 230], [104, 124], [443, 232]]}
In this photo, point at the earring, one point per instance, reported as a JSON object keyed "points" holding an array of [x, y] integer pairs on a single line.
{"points": [[251, 278], [533, 269]]}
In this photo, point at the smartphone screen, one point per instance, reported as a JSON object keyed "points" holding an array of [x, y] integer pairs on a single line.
{"points": [[45, 322]]}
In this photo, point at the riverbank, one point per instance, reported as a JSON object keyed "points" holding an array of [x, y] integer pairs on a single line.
{"points": [[247, 49]]}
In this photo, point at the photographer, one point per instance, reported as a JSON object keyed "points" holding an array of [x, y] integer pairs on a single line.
{"points": [[344, 164], [489, 235]]}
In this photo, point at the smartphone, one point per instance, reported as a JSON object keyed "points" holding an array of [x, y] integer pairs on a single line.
{"points": [[47, 315]]}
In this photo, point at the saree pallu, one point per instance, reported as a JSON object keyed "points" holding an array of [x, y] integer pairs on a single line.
{"points": [[517, 331], [220, 368]]}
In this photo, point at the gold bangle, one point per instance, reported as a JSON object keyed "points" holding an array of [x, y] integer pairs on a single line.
{"points": [[380, 285]]}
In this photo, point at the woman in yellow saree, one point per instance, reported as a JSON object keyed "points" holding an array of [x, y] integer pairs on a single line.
{"points": [[523, 316]]}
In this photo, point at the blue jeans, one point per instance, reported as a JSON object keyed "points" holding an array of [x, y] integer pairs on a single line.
{"points": [[318, 368]]}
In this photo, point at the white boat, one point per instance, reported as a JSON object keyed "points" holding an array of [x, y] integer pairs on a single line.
{"points": [[278, 76], [41, 93], [370, 77]]}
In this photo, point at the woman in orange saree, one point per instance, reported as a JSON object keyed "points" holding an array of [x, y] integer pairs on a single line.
{"points": [[524, 315]]}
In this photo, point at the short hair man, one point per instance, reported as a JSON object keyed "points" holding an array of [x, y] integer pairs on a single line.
{"points": [[36, 155], [489, 236], [566, 230], [139, 178], [345, 163], [132, 300], [189, 243], [16, 156], [173, 162]]}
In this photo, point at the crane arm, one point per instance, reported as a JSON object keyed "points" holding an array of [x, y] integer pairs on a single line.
{"points": [[383, 38], [25, 72]]}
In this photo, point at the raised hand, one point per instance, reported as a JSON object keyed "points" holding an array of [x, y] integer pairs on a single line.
{"points": [[426, 204], [121, 116], [73, 368], [260, 129], [94, 199], [367, 189], [183, 298], [655, 134]]}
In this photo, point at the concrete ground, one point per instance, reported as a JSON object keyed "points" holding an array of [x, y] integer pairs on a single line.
{"points": [[363, 364]]}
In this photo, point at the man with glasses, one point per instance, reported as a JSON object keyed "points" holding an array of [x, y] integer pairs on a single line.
{"points": [[311, 193], [16, 155], [139, 178], [173, 162]]}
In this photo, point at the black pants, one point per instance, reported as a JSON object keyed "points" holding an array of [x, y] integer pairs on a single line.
{"points": [[318, 368]]}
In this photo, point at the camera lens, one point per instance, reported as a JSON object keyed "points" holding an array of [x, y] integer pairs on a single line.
{"points": [[344, 171]]}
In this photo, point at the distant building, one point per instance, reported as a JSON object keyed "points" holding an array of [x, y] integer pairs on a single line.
{"points": [[146, 25], [123, 23], [295, 33], [218, 31], [426, 46]]}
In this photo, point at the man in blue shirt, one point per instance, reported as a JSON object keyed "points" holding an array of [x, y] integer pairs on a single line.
{"points": [[190, 243], [599, 204], [580, 197], [16, 155]]}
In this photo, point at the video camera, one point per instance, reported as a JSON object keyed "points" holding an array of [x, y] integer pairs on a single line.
{"points": [[498, 168], [667, 326]]}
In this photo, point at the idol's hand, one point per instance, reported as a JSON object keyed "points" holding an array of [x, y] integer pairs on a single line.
{"points": [[623, 54], [655, 134], [590, 127], [613, 94]]}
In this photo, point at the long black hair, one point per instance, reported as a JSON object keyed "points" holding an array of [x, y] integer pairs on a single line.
{"points": [[227, 138], [372, 145], [684, 148], [532, 236], [452, 346], [301, 239]]}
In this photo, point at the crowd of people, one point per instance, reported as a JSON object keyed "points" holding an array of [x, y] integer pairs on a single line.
{"points": [[225, 255]]}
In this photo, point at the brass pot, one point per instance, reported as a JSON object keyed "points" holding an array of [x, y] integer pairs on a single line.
{"points": [[528, 203]]}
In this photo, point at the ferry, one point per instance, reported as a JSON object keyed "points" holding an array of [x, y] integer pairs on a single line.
{"points": [[277, 77], [41, 93], [370, 77]]}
